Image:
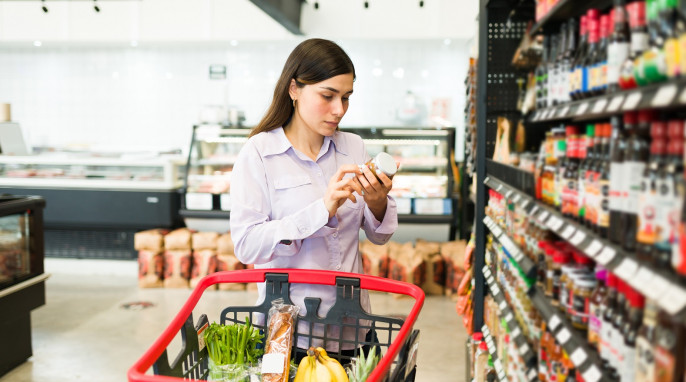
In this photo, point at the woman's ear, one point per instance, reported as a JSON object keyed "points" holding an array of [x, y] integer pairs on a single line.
{"points": [[293, 89]]}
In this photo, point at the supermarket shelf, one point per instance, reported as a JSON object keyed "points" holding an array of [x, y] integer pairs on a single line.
{"points": [[425, 219], [527, 266], [572, 340], [657, 284], [565, 9], [493, 351], [209, 214], [667, 95], [520, 179], [516, 334]]}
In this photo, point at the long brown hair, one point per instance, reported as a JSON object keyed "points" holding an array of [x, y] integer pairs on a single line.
{"points": [[312, 61]]}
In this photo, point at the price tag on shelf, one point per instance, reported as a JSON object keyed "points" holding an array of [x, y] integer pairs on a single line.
{"points": [[525, 203], [682, 96], [518, 255], [495, 291], [487, 179], [509, 317], [503, 305], [508, 194], [516, 198], [563, 336], [593, 248], [632, 101], [626, 269], [643, 279], [516, 332], [605, 256], [664, 95], [578, 238], [615, 103], [563, 112], [537, 115], [673, 300], [554, 322], [500, 187], [486, 271], [599, 106], [658, 286], [532, 375], [524, 349], [568, 232], [498, 365], [555, 223], [593, 374], [582, 109], [578, 356], [490, 279]]}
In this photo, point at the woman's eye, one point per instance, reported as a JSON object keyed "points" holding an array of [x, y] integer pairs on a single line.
{"points": [[328, 97], [346, 99]]}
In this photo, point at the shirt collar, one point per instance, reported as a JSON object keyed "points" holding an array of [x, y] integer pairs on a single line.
{"points": [[281, 144]]}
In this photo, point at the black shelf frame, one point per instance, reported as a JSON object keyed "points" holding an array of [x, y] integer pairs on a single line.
{"points": [[565, 9]]}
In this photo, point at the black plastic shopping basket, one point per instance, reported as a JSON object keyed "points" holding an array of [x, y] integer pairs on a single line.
{"points": [[396, 338]]}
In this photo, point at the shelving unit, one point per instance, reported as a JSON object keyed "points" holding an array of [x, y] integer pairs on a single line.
{"points": [[493, 351], [495, 99]]}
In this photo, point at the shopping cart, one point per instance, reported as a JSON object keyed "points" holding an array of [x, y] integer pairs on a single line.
{"points": [[396, 338]]}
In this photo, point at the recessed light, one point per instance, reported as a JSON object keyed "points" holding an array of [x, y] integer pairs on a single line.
{"points": [[134, 43], [234, 42], [37, 43]]}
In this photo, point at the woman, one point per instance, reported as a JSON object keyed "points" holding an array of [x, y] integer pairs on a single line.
{"points": [[298, 195]]}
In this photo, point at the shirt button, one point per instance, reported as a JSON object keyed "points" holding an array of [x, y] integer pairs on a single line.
{"points": [[335, 234], [319, 174], [302, 229], [338, 266]]}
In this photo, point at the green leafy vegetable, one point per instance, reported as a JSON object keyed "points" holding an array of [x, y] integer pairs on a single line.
{"points": [[233, 344]]}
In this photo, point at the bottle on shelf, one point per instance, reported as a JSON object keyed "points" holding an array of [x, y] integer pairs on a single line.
{"points": [[618, 181], [552, 70], [681, 33], [670, 345], [648, 211], [559, 83], [577, 76], [618, 46], [670, 188], [618, 319], [568, 62], [639, 44], [600, 68], [542, 76], [606, 332], [569, 193], [592, 55], [558, 178], [603, 184], [651, 66], [596, 308], [644, 369], [586, 158], [629, 331], [669, 15], [636, 158]]}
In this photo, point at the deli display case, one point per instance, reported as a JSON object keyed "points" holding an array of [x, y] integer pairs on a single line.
{"points": [[97, 201], [424, 186], [22, 279]]}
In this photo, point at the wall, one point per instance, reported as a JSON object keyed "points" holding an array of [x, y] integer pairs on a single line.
{"points": [[149, 96]]}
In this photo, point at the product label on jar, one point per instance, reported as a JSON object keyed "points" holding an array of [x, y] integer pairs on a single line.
{"points": [[682, 52], [672, 57], [647, 213], [617, 348], [617, 53], [645, 361], [617, 187], [606, 340], [668, 205], [628, 369], [580, 308]]}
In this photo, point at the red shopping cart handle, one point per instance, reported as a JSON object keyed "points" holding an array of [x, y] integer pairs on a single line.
{"points": [[303, 276]]}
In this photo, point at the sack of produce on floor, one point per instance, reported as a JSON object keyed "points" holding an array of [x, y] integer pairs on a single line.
{"points": [[374, 258], [204, 263], [150, 247], [405, 264], [434, 280], [229, 262], [177, 268], [180, 238], [453, 254], [225, 244], [204, 240]]}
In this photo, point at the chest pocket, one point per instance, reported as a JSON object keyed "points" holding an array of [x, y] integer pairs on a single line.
{"points": [[289, 182]]}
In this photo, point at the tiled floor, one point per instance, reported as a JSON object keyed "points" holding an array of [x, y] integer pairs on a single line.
{"points": [[84, 334]]}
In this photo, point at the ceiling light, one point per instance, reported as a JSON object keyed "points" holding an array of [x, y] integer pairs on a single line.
{"points": [[134, 43], [447, 41], [234, 42], [37, 43]]}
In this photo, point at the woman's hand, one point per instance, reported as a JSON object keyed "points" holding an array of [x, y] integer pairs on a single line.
{"points": [[375, 191], [340, 189]]}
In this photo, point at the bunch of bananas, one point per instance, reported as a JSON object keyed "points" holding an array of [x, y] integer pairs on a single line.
{"points": [[319, 367]]}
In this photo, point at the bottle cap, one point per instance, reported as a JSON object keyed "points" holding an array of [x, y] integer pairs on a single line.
{"points": [[646, 116], [477, 337], [658, 147], [483, 346], [385, 163], [593, 13], [571, 130], [658, 129], [582, 25], [611, 280], [580, 259], [675, 129], [604, 26], [637, 14]]}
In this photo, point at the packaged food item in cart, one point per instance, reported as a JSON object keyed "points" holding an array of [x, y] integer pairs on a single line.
{"points": [[281, 326]]}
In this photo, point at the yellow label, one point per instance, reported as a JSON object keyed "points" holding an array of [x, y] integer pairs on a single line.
{"points": [[682, 48], [672, 57]]}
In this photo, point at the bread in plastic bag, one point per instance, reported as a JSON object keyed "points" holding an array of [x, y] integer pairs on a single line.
{"points": [[281, 326]]}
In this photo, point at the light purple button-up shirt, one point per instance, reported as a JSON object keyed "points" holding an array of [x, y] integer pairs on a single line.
{"points": [[277, 194]]}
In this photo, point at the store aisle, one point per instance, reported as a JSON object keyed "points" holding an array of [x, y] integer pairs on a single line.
{"points": [[84, 332]]}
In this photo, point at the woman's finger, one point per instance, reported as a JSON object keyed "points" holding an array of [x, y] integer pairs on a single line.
{"points": [[346, 169], [385, 180], [371, 178]]}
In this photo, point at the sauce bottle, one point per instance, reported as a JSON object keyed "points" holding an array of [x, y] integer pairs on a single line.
{"points": [[669, 195], [618, 48], [621, 128], [630, 334], [639, 44], [669, 350], [602, 188], [645, 344], [596, 308], [619, 316], [648, 218], [606, 332], [636, 157], [587, 159]]}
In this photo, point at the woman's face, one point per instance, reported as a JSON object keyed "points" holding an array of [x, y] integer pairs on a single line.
{"points": [[321, 106]]}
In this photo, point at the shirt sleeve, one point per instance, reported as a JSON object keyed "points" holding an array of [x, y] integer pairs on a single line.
{"points": [[380, 232], [257, 238]]}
